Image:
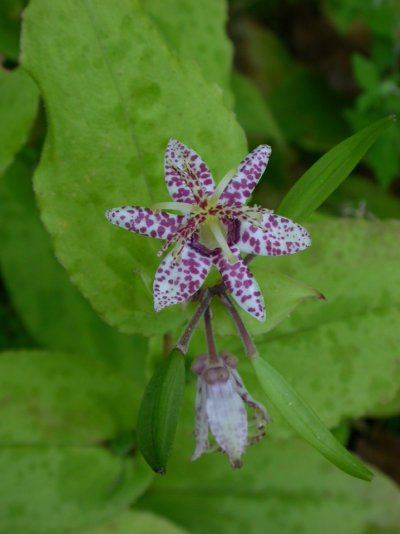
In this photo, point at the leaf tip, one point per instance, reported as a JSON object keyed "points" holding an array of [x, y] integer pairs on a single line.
{"points": [[366, 474]]}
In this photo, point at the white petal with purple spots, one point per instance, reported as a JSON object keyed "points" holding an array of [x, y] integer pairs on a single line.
{"points": [[241, 284], [227, 418], [247, 176], [281, 236], [177, 283], [178, 155], [145, 221], [201, 429]]}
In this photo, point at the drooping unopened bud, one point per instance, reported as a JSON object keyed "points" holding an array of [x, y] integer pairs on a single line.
{"points": [[159, 411]]}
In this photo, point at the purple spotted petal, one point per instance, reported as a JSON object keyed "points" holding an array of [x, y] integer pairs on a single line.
{"points": [[196, 184], [227, 418], [177, 283], [281, 236], [145, 221], [247, 176], [241, 284]]}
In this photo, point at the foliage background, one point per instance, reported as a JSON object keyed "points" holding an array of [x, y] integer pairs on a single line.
{"points": [[89, 95]]}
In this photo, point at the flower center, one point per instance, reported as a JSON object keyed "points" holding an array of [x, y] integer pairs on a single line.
{"points": [[210, 220]]}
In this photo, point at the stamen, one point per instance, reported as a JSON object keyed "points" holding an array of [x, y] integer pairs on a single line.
{"points": [[184, 207], [220, 238], [222, 186]]}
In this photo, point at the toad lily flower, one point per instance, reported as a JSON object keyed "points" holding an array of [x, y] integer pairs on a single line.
{"points": [[220, 405], [214, 227]]}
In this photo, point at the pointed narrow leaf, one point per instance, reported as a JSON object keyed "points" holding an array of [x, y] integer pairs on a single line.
{"points": [[159, 412], [316, 184], [305, 421]]}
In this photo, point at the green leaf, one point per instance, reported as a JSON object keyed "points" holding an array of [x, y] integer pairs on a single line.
{"points": [[353, 263], [196, 31], [54, 398], [159, 412], [305, 421], [339, 354], [10, 15], [18, 107], [266, 57], [134, 521], [384, 157], [365, 72], [282, 487], [253, 112], [282, 295], [12, 333], [47, 302], [107, 150], [387, 409], [61, 489], [320, 180]]}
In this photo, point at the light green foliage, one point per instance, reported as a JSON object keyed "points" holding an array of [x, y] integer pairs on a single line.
{"points": [[341, 355], [52, 309], [123, 95], [18, 107], [354, 263], [134, 521], [282, 295], [196, 31], [59, 415], [283, 487], [59, 490], [322, 178], [304, 421], [55, 398]]}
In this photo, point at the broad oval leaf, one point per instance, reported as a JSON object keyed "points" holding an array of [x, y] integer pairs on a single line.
{"points": [[54, 398], [108, 150], [305, 421], [196, 31], [320, 180], [62, 489], [159, 411], [49, 305]]}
